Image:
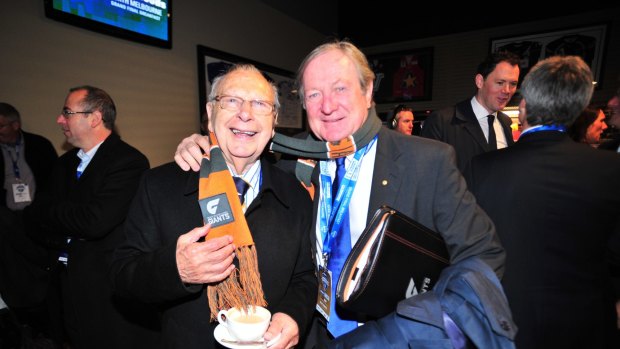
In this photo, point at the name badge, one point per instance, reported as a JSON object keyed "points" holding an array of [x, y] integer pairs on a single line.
{"points": [[325, 292], [21, 192]]}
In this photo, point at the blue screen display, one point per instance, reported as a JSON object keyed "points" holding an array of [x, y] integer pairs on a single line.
{"points": [[149, 18]]}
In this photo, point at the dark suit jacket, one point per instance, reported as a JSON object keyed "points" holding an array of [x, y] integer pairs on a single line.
{"points": [[24, 267], [458, 126], [91, 210], [419, 178], [166, 207], [556, 206]]}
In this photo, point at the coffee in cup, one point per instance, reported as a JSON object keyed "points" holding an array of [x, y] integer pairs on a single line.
{"points": [[245, 325]]}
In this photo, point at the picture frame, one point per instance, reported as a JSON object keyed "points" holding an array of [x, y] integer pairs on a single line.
{"points": [[403, 76], [212, 62], [587, 42]]}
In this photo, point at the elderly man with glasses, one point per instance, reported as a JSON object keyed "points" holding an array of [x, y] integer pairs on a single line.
{"points": [[25, 162], [173, 259]]}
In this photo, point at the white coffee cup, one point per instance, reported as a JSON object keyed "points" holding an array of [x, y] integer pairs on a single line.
{"points": [[245, 326]]}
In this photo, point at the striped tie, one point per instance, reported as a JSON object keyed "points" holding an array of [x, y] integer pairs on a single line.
{"points": [[242, 188]]}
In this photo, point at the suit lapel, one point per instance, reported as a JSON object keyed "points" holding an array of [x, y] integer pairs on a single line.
{"points": [[387, 178], [387, 174], [69, 179], [99, 161], [465, 114], [506, 121]]}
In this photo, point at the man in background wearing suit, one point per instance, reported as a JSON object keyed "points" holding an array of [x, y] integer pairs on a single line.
{"points": [[335, 87], [402, 120], [26, 159], [93, 185], [558, 215], [465, 126]]}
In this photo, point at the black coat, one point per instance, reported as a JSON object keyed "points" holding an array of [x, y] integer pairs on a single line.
{"points": [[91, 211], [24, 265], [166, 207], [459, 127], [556, 207]]}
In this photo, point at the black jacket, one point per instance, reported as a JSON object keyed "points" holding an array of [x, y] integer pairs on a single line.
{"points": [[166, 207]]}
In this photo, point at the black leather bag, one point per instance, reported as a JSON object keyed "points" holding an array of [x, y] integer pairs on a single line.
{"points": [[394, 258]]}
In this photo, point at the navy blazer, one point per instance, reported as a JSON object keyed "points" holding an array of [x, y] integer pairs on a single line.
{"points": [[468, 292], [458, 126], [166, 207]]}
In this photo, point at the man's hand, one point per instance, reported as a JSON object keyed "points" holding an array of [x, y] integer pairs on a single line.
{"points": [[188, 154], [207, 261], [288, 329]]}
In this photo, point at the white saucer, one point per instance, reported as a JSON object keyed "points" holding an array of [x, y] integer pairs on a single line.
{"points": [[221, 332]]}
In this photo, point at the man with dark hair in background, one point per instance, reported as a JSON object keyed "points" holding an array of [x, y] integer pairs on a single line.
{"points": [[93, 185], [402, 120], [469, 126]]}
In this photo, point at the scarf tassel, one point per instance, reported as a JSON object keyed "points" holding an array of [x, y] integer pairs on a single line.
{"points": [[241, 289]]}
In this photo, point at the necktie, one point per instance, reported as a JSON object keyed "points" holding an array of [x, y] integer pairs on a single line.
{"points": [[242, 188], [340, 172], [80, 168], [338, 256], [492, 139]]}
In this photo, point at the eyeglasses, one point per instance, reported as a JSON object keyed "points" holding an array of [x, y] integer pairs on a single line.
{"points": [[68, 113], [234, 104]]}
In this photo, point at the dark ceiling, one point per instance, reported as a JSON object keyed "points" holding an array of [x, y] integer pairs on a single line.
{"points": [[390, 21]]}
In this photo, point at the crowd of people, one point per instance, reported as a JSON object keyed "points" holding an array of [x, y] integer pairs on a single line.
{"points": [[99, 251]]}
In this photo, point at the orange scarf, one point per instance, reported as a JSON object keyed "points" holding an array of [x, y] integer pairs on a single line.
{"points": [[220, 206]]}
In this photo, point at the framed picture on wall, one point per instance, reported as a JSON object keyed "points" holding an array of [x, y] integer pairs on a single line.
{"points": [[212, 62], [403, 76], [586, 42]]}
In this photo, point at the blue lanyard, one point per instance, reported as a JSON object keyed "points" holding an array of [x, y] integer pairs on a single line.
{"points": [[560, 128], [15, 161], [331, 215]]}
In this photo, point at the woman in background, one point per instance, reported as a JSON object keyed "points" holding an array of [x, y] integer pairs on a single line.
{"points": [[589, 126]]}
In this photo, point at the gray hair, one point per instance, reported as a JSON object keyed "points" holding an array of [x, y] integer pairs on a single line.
{"points": [[364, 72], [557, 90], [10, 112], [215, 86]]}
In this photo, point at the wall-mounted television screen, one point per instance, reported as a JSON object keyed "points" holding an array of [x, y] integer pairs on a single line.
{"points": [[145, 21]]}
